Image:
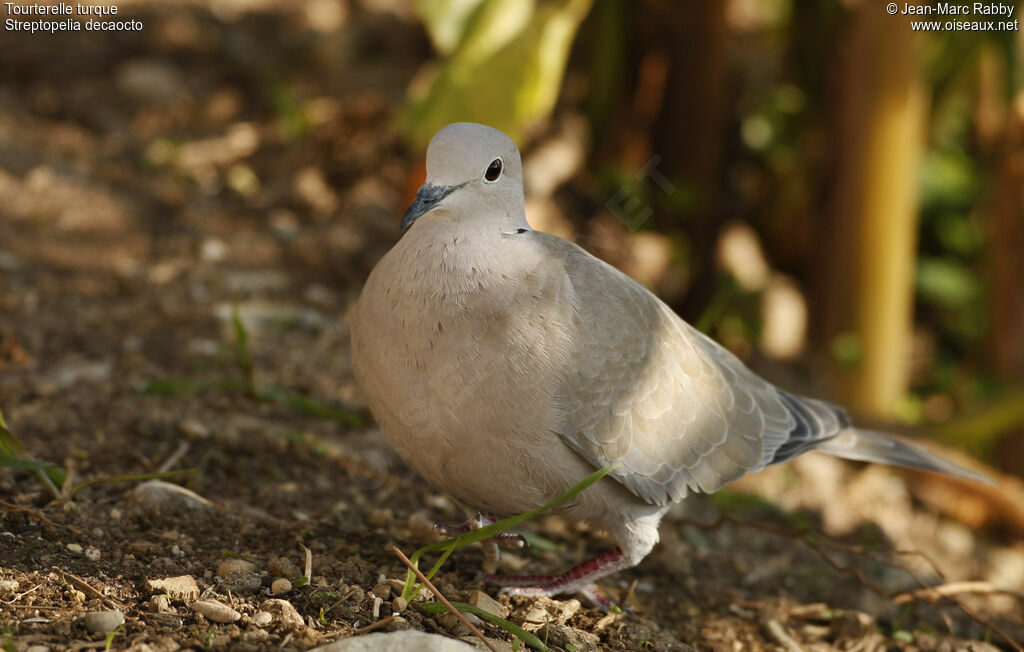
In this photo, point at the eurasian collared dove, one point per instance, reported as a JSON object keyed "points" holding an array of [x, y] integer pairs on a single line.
{"points": [[505, 364]]}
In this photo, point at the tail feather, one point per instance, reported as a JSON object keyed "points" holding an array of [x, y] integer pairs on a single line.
{"points": [[871, 446]]}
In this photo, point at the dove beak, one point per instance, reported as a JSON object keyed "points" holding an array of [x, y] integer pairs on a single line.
{"points": [[427, 198]]}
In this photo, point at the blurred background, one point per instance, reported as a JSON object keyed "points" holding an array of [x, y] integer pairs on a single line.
{"points": [[188, 211], [811, 182]]}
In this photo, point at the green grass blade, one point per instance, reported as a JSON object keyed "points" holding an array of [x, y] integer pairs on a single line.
{"points": [[436, 608], [474, 536], [243, 357], [47, 474], [126, 477], [173, 387], [8, 441], [309, 406], [22, 463]]}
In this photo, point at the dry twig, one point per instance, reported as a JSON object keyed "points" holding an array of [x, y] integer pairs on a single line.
{"points": [[427, 583], [88, 588], [816, 546], [374, 625], [309, 563], [35, 513], [933, 594], [175, 457], [782, 637]]}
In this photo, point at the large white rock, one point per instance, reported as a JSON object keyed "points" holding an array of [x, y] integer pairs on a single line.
{"points": [[396, 642]]}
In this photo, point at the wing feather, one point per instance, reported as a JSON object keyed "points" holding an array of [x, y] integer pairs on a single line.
{"points": [[678, 411]]}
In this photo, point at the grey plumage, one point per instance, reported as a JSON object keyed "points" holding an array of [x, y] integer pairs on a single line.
{"points": [[505, 364]]}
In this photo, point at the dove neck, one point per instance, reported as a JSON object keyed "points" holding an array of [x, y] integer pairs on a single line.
{"points": [[445, 258]]}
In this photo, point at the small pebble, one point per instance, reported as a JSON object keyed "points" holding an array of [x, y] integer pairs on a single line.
{"points": [[481, 600], [543, 610], [238, 575], [8, 586], [566, 637], [100, 622], [169, 619], [93, 554], [145, 548], [159, 604], [284, 611], [262, 618], [193, 429], [213, 250], [280, 585], [158, 498], [241, 582], [182, 588], [399, 604], [452, 623], [229, 566], [75, 548], [256, 635], [283, 567], [382, 591], [215, 611]]}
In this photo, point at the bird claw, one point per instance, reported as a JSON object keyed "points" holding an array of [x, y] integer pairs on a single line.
{"points": [[503, 539]]}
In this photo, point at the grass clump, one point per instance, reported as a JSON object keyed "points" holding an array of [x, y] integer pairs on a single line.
{"points": [[56, 480], [448, 546], [241, 358]]}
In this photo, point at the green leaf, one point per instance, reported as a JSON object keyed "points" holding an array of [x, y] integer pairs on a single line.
{"points": [[847, 350], [903, 636], [948, 180], [946, 282], [506, 69], [446, 20], [435, 608]]}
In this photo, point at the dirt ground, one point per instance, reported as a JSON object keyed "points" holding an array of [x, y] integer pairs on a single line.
{"points": [[147, 186]]}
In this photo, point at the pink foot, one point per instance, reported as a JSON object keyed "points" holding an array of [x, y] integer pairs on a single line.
{"points": [[504, 539], [579, 579]]}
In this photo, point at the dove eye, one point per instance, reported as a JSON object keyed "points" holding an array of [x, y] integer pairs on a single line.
{"points": [[493, 170]]}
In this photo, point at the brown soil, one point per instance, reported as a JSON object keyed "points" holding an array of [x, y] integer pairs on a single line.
{"points": [[150, 184]]}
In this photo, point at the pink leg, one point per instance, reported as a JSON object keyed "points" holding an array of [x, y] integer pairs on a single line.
{"points": [[579, 579]]}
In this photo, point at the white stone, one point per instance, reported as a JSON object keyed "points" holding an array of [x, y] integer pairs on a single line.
{"points": [[402, 641]]}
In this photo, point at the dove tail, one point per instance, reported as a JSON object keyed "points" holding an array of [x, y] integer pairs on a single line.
{"points": [[871, 446]]}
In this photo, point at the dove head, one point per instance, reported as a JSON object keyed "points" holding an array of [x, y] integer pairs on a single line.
{"points": [[473, 173]]}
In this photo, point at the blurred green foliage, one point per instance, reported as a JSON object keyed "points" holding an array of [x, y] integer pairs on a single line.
{"points": [[503, 63]]}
